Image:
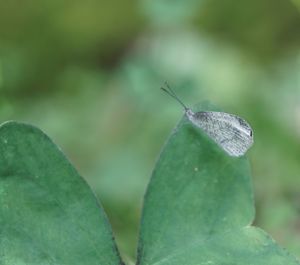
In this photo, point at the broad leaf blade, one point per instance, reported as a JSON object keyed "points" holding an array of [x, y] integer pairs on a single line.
{"points": [[198, 208], [48, 214]]}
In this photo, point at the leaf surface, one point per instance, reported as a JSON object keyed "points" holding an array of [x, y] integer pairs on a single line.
{"points": [[199, 206], [48, 214]]}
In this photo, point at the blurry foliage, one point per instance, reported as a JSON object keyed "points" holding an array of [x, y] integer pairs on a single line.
{"points": [[265, 28], [165, 12], [297, 3], [40, 39], [89, 74]]}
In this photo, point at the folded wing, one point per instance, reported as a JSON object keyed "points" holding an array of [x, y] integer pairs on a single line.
{"points": [[230, 132]]}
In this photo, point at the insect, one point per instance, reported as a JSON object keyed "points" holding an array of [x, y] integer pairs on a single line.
{"points": [[232, 133]]}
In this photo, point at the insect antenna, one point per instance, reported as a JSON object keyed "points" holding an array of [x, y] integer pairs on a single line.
{"points": [[171, 93]]}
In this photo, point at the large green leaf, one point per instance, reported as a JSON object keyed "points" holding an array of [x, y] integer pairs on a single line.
{"points": [[48, 214], [199, 207]]}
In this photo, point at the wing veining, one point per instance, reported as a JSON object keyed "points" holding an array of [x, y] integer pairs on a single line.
{"points": [[229, 131]]}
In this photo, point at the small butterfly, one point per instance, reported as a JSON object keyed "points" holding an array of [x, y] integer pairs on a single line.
{"points": [[232, 133]]}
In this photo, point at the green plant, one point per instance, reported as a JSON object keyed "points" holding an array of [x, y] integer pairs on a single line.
{"points": [[198, 207]]}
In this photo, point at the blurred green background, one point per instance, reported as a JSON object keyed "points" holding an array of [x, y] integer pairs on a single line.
{"points": [[88, 73]]}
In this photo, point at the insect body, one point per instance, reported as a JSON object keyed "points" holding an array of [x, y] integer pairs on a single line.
{"points": [[232, 133]]}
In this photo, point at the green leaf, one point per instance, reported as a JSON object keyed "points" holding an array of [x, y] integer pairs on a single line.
{"points": [[48, 214], [199, 206]]}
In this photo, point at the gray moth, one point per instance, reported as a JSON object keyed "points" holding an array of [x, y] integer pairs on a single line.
{"points": [[232, 133]]}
